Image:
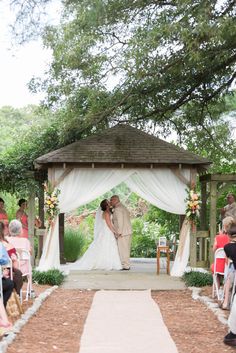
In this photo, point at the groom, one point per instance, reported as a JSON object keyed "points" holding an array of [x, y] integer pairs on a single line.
{"points": [[122, 225]]}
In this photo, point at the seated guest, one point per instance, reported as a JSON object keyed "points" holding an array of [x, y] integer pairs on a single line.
{"points": [[15, 238], [3, 216], [7, 283], [230, 208], [221, 240], [230, 251], [17, 274], [230, 338]]}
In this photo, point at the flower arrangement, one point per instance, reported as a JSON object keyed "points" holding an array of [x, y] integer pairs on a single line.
{"points": [[193, 205], [51, 202]]}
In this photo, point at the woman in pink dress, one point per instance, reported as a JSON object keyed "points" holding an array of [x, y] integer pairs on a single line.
{"points": [[3, 216], [19, 242], [22, 216]]}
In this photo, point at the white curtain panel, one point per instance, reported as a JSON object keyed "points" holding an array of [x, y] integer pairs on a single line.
{"points": [[182, 255], [160, 187]]}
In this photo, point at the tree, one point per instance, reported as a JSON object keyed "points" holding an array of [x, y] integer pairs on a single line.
{"points": [[29, 17], [16, 123], [140, 61], [154, 63]]}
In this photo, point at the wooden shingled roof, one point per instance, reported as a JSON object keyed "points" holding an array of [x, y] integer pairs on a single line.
{"points": [[122, 146]]}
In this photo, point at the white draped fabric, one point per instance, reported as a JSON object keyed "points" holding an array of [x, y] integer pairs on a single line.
{"points": [[161, 187], [182, 255]]}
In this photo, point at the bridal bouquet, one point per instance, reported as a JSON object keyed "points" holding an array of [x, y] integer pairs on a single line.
{"points": [[51, 202], [193, 205]]}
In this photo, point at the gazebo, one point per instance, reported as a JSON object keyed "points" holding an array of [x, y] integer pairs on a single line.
{"points": [[121, 149]]}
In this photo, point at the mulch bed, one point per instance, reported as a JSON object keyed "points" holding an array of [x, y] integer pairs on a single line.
{"points": [[58, 325]]}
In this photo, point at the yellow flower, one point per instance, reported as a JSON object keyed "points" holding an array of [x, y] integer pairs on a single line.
{"points": [[48, 202], [52, 206]]}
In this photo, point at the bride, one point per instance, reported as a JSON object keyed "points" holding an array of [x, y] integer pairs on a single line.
{"points": [[102, 253]]}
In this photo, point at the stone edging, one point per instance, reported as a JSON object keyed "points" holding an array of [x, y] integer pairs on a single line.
{"points": [[210, 303], [7, 340]]}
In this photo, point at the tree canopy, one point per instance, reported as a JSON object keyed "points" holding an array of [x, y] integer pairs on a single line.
{"points": [[162, 65], [141, 61]]}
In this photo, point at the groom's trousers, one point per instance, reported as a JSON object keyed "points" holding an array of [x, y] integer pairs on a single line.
{"points": [[124, 244]]}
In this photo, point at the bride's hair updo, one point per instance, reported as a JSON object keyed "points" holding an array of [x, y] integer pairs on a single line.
{"points": [[103, 205]]}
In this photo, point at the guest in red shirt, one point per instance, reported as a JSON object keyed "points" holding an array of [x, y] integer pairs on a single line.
{"points": [[221, 240]]}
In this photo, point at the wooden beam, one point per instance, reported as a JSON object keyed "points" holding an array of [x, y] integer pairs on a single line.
{"points": [[41, 205], [223, 177], [218, 177], [213, 199], [61, 237], [202, 234], [203, 209], [193, 177], [62, 177], [31, 221], [181, 177], [40, 234], [193, 247], [142, 164], [51, 176]]}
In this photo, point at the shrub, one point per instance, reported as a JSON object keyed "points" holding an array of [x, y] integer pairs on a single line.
{"points": [[197, 279], [73, 244], [51, 277], [143, 246]]}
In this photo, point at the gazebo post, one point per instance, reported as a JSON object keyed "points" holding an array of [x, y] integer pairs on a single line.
{"points": [[213, 199], [41, 231], [41, 205], [203, 210], [61, 237], [61, 226], [193, 231], [31, 217]]}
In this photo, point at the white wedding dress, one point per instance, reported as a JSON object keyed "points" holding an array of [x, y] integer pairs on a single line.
{"points": [[102, 253]]}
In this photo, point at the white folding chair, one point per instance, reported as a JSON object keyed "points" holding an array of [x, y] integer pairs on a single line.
{"points": [[1, 288], [219, 254], [24, 260], [233, 290]]}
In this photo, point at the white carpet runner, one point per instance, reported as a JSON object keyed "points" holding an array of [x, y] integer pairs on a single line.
{"points": [[125, 322]]}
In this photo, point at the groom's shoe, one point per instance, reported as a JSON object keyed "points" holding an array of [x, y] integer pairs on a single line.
{"points": [[125, 268], [230, 339]]}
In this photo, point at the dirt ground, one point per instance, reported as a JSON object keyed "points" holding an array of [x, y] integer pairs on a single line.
{"points": [[58, 325]]}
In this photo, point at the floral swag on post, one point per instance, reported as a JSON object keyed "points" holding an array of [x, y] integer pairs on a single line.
{"points": [[193, 206], [51, 203]]}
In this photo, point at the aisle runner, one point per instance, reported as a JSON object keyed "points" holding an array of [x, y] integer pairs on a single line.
{"points": [[125, 322]]}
